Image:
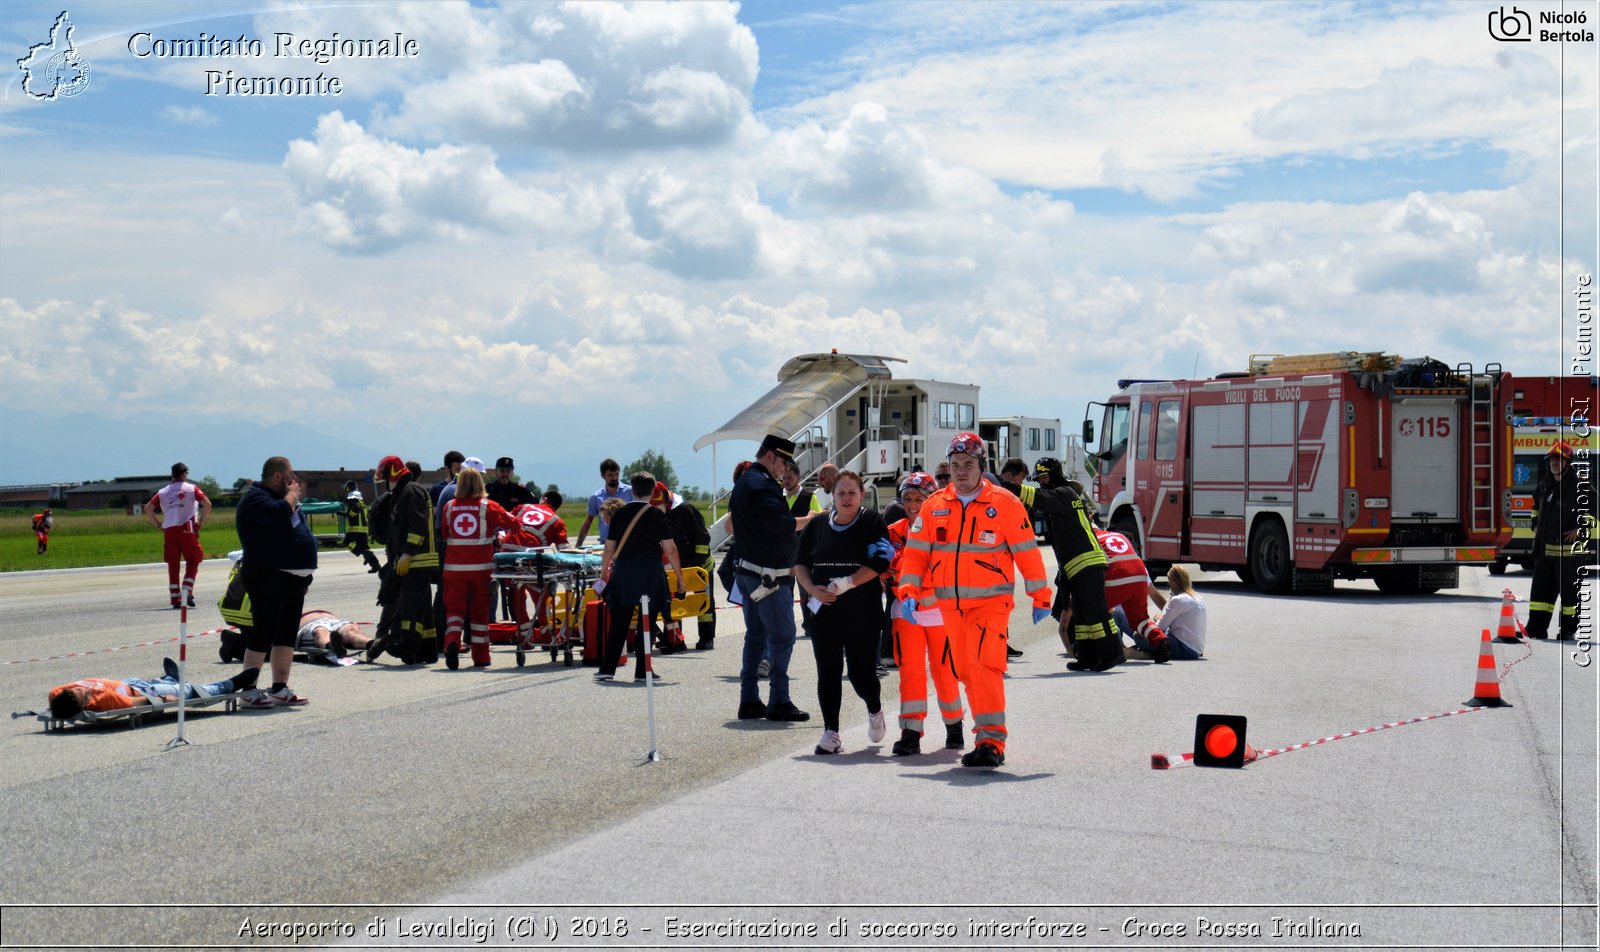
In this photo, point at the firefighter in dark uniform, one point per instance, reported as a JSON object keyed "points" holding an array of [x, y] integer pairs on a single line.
{"points": [[413, 561], [1563, 533], [693, 539], [1081, 577], [355, 531]]}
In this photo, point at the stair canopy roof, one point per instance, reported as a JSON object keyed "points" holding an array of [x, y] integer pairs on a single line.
{"points": [[808, 387]]}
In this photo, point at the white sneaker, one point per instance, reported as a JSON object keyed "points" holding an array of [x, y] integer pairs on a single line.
{"points": [[876, 728], [830, 743]]}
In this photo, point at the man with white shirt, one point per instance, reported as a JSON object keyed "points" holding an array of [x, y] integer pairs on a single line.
{"points": [[179, 509]]}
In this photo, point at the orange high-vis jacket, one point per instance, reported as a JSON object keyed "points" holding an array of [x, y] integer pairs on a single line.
{"points": [[966, 553]]}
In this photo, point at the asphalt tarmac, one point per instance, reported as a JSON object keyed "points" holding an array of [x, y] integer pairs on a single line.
{"points": [[436, 805]]}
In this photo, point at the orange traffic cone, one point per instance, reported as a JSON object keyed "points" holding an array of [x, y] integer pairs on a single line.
{"points": [[1508, 619], [1486, 693]]}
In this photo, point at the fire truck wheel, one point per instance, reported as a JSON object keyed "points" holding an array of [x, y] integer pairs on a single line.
{"points": [[1125, 525], [1270, 562], [1497, 567]]}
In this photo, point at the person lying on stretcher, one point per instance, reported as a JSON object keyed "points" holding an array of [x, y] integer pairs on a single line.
{"points": [[322, 633], [100, 695]]}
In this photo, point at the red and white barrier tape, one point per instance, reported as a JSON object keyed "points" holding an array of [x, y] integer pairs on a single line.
{"points": [[142, 644], [1158, 760], [95, 651], [1188, 758]]}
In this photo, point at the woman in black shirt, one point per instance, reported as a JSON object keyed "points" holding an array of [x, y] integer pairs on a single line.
{"points": [[838, 566], [638, 538]]}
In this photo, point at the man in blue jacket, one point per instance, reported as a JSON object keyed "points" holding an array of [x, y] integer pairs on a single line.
{"points": [[280, 555]]}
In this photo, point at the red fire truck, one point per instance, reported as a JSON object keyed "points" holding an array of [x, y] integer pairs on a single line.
{"points": [[1544, 411], [1306, 469]]}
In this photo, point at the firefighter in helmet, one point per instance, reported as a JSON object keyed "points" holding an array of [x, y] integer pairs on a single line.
{"points": [[1081, 578], [355, 519], [413, 559], [1563, 533]]}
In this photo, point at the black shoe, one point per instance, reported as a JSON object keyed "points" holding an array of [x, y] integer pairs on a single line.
{"points": [[231, 645], [752, 710], [984, 755], [1013, 652], [605, 676], [452, 656], [1162, 650], [910, 742], [786, 711], [376, 647], [1541, 635], [191, 601], [704, 644], [883, 670], [953, 739], [169, 668]]}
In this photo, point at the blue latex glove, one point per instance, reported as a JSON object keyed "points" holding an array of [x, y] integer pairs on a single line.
{"points": [[908, 607], [881, 549], [1040, 614]]}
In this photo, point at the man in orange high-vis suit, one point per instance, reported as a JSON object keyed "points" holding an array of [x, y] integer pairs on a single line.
{"points": [[962, 554], [180, 508]]}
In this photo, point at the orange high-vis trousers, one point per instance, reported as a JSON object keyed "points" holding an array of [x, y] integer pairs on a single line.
{"points": [[918, 652], [977, 633]]}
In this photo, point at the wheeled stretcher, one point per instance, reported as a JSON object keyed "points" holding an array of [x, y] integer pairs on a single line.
{"points": [[134, 716], [562, 584]]}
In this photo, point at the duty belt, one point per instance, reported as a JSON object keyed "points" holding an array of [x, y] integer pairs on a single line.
{"points": [[769, 577]]}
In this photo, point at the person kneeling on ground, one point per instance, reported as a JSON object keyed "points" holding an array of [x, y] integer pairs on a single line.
{"points": [[67, 701]]}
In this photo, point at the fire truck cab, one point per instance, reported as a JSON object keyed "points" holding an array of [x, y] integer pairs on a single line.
{"points": [[1307, 469]]}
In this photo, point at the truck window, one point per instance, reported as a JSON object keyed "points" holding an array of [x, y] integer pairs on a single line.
{"points": [[1167, 430], [1114, 432], [1145, 409]]}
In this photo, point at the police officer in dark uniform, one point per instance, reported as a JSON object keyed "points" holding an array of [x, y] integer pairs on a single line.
{"points": [[764, 528], [1563, 532], [1081, 576]]}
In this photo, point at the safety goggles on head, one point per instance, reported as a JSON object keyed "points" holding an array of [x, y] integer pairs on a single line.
{"points": [[968, 443], [920, 481], [942, 477]]}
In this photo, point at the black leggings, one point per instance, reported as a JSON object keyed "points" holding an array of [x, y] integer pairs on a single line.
{"points": [[840, 640]]}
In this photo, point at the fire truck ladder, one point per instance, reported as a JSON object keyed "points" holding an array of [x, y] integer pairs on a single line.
{"points": [[1481, 431]]}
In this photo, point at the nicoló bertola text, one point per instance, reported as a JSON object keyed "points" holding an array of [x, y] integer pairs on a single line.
{"points": [[284, 47]]}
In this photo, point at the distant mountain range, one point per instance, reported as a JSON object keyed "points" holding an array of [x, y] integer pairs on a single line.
{"points": [[80, 447]]}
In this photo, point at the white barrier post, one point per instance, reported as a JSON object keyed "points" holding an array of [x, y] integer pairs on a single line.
{"points": [[649, 676], [183, 664]]}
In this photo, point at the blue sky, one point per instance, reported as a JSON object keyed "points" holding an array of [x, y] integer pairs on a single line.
{"points": [[575, 231]]}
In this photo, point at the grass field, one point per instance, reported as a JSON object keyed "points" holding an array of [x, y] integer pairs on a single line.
{"points": [[99, 537], [109, 537]]}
